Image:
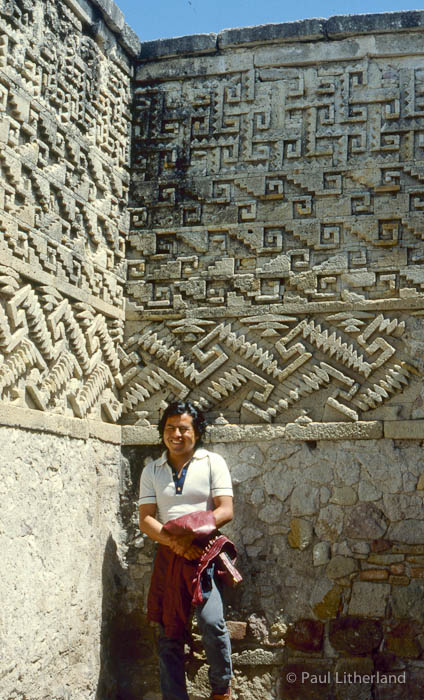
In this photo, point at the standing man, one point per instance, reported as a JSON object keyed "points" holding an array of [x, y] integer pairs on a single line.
{"points": [[186, 479]]}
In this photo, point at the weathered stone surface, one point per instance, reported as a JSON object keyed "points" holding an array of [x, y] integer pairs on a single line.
{"points": [[403, 505], [310, 29], [385, 559], [347, 670], [326, 599], [344, 496], [279, 482], [301, 533], [374, 575], [270, 513], [345, 25], [321, 553], [305, 635], [407, 601], [353, 635], [304, 500], [257, 628], [330, 523], [302, 678], [178, 46], [258, 657], [237, 630], [61, 536], [402, 640], [406, 430], [369, 599], [367, 491], [340, 566], [409, 531], [365, 521]]}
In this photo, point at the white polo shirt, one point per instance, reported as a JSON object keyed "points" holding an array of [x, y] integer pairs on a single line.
{"points": [[207, 476]]}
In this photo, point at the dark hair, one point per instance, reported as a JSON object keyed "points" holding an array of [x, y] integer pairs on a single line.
{"points": [[177, 408]]}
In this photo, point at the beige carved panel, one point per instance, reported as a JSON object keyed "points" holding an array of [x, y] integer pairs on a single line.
{"points": [[276, 245], [65, 115]]}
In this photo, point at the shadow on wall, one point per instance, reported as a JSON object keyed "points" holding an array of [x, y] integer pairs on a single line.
{"points": [[128, 664]]}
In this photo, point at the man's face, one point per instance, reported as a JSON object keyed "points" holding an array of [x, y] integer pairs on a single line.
{"points": [[179, 436]]}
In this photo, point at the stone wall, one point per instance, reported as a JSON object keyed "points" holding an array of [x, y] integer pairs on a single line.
{"points": [[62, 545], [330, 536], [65, 71], [275, 276], [275, 250]]}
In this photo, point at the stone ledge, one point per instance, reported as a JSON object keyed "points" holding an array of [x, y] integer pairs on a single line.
{"points": [[31, 419], [362, 430], [404, 429], [106, 432], [347, 25], [114, 19], [140, 435], [178, 46], [305, 30]]}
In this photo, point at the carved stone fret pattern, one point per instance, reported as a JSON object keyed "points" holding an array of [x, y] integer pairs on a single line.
{"points": [[57, 356], [301, 370], [277, 229], [64, 144], [65, 104]]}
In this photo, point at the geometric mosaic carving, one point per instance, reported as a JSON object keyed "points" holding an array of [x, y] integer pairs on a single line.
{"points": [[64, 154], [351, 364], [56, 356], [277, 233]]}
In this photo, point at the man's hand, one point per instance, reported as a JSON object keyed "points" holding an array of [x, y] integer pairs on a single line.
{"points": [[182, 545]]}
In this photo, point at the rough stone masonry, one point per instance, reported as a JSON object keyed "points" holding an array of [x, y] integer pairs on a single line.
{"points": [[238, 219]]}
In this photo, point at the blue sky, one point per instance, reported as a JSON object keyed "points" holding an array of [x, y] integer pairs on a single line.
{"points": [[166, 18]]}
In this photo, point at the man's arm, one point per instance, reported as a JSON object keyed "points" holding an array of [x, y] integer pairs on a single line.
{"points": [[180, 544], [223, 510]]}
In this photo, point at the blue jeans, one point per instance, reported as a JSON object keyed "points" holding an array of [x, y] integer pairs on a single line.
{"points": [[216, 641]]}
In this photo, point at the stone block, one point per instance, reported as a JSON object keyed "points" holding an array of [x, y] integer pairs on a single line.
{"points": [[258, 657], [404, 429], [339, 567], [399, 580], [129, 40], [237, 630], [365, 521], [305, 635], [344, 496], [304, 500], [346, 671], [348, 25], [354, 635], [402, 640], [321, 553], [301, 533], [326, 599], [416, 572], [409, 531], [369, 599], [374, 575], [385, 559], [191, 44], [302, 679], [140, 435], [329, 524], [303, 30], [361, 430]]}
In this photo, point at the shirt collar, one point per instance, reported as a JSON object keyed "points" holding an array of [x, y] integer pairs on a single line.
{"points": [[199, 453]]}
